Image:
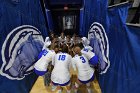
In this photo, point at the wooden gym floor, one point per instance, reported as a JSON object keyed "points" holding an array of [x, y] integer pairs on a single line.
{"points": [[40, 88]]}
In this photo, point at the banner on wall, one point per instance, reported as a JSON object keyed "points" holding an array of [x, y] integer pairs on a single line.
{"points": [[120, 44], [21, 38], [99, 41]]}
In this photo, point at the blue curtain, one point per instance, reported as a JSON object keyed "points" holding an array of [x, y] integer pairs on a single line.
{"points": [[21, 39], [124, 45], [117, 79], [49, 20], [122, 75], [93, 11], [49, 17]]}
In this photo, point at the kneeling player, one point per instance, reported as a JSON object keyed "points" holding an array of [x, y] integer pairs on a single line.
{"points": [[85, 72], [61, 75]]}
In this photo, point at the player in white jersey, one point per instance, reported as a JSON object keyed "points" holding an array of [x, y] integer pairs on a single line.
{"points": [[41, 65], [62, 39], [89, 54], [85, 72], [61, 73]]}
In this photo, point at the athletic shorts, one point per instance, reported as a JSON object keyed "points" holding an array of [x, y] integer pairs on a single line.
{"points": [[65, 84], [90, 80]]}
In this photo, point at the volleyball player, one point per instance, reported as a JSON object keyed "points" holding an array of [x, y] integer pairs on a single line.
{"points": [[61, 73], [88, 51], [62, 39], [85, 72], [41, 65]]}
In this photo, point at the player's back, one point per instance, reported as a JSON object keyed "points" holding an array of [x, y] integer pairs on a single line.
{"points": [[61, 62], [82, 64], [87, 53], [43, 62], [61, 73]]}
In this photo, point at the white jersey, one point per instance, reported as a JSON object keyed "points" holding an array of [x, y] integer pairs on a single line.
{"points": [[88, 47], [62, 40], [85, 72], [69, 43], [87, 53], [61, 73], [42, 63]]}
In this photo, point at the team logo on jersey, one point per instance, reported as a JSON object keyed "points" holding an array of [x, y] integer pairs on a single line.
{"points": [[20, 51], [99, 42]]}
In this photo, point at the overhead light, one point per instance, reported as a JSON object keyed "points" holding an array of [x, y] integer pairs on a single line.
{"points": [[66, 7]]}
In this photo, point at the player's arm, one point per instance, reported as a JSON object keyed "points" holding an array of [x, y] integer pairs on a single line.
{"points": [[53, 60], [40, 66], [40, 62], [94, 59], [70, 64]]}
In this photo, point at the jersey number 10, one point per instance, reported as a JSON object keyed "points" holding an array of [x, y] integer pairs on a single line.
{"points": [[62, 57]]}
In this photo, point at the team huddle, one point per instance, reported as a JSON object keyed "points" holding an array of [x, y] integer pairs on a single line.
{"points": [[64, 53]]}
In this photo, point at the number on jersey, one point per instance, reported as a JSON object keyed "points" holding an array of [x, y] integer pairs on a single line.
{"points": [[83, 60], [62, 57], [85, 49], [45, 52]]}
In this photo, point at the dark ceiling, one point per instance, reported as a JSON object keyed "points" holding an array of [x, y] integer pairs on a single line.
{"points": [[63, 2]]}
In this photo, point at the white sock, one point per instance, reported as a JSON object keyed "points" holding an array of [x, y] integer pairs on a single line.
{"points": [[75, 90], [89, 90], [59, 91], [88, 84], [68, 91]]}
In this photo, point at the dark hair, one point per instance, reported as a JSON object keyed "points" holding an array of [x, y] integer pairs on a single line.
{"points": [[56, 36], [56, 46], [79, 45], [65, 48]]}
